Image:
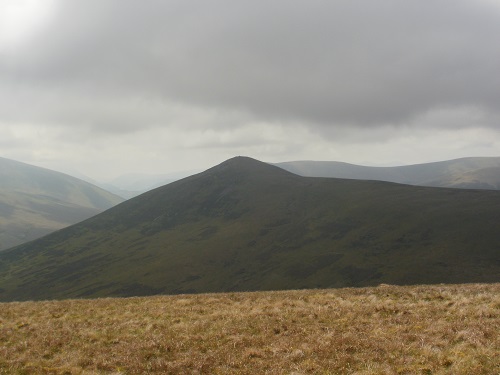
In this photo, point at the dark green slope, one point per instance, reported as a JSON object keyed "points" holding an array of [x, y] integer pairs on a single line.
{"points": [[246, 225], [36, 201]]}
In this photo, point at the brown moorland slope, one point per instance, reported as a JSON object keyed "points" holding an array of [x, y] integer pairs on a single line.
{"points": [[439, 329]]}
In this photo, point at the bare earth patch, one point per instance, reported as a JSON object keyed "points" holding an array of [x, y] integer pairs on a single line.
{"points": [[439, 329]]}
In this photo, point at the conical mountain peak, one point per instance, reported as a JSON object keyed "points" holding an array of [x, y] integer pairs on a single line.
{"points": [[248, 166]]}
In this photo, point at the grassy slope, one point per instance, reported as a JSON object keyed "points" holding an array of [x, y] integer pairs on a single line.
{"points": [[35, 201], [484, 178], [25, 217], [244, 225], [437, 329]]}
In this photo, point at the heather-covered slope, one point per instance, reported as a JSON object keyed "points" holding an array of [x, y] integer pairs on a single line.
{"points": [[246, 225]]}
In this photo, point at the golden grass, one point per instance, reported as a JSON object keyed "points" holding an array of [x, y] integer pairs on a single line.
{"points": [[440, 329]]}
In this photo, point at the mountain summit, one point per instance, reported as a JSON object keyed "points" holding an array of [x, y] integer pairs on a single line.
{"points": [[247, 225]]}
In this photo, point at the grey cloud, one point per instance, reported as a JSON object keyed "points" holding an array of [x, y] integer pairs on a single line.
{"points": [[347, 62], [77, 108]]}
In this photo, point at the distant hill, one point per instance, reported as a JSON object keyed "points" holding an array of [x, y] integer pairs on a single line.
{"points": [[36, 201], [245, 225], [465, 173]]}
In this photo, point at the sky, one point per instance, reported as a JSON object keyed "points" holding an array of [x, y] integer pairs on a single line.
{"points": [[109, 87]]}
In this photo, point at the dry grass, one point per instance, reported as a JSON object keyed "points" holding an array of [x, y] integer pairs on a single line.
{"points": [[439, 329]]}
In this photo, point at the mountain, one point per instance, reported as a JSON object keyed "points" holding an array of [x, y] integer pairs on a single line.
{"points": [[246, 225], [35, 201], [465, 173]]}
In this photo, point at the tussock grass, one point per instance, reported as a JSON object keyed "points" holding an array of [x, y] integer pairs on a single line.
{"points": [[440, 329]]}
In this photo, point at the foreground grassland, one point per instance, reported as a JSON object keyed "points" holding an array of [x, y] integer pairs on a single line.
{"points": [[440, 329]]}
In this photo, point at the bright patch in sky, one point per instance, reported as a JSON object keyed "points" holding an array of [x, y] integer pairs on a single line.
{"points": [[19, 19]]}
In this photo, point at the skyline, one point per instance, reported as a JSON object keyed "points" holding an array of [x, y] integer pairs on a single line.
{"points": [[116, 87]]}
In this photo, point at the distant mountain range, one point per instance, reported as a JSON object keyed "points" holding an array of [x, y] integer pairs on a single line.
{"points": [[36, 201], [246, 225], [465, 173]]}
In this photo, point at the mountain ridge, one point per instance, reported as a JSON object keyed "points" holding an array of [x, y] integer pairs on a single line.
{"points": [[464, 173]]}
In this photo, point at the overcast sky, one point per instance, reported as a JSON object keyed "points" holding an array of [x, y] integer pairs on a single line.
{"points": [[106, 87]]}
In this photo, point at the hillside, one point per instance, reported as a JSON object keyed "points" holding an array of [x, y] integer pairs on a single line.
{"points": [[245, 225], [465, 173], [438, 329], [35, 201]]}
